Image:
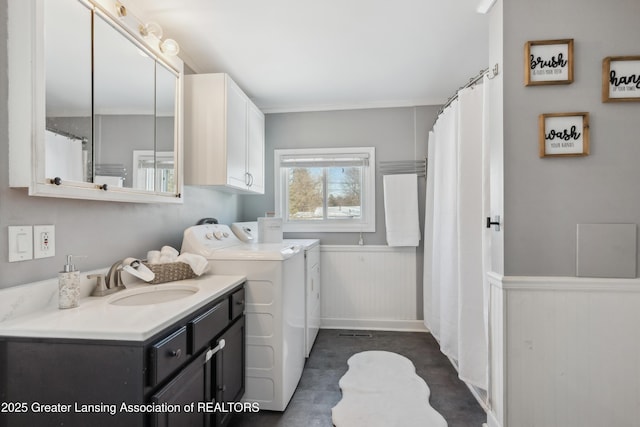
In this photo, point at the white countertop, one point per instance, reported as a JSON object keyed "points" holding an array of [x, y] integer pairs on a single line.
{"points": [[95, 318]]}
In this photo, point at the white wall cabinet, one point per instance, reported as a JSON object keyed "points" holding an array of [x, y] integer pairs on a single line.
{"points": [[224, 135]]}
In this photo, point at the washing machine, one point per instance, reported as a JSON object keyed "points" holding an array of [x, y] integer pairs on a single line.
{"points": [[274, 308], [248, 232]]}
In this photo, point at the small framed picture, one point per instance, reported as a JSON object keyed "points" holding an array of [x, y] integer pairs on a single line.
{"points": [[621, 79], [564, 134], [548, 62]]}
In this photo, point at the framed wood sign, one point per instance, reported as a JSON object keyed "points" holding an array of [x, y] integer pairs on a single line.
{"points": [[563, 134], [621, 79], [548, 62]]}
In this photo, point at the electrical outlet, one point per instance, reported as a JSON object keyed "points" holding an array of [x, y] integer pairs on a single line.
{"points": [[44, 241]]}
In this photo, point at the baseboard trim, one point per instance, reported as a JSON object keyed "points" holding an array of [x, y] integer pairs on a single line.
{"points": [[374, 324]]}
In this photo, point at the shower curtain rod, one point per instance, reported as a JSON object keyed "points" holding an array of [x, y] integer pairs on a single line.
{"points": [[67, 134], [472, 81]]}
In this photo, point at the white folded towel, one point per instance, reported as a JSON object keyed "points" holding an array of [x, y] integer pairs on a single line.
{"points": [[168, 254], [113, 181], [153, 257], [198, 263], [401, 209]]}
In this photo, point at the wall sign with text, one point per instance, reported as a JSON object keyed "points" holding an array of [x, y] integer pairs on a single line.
{"points": [[564, 134], [548, 62], [621, 78]]}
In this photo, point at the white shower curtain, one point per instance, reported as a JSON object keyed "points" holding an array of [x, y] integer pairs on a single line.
{"points": [[453, 271], [64, 157]]}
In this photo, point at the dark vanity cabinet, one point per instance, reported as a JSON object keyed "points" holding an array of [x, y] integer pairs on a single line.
{"points": [[182, 376]]}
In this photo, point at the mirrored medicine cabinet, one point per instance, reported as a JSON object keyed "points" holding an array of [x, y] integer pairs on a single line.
{"points": [[94, 107]]}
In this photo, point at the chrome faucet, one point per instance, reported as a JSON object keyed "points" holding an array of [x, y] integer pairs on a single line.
{"points": [[109, 284]]}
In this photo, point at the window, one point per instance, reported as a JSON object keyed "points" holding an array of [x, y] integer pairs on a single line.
{"points": [[329, 189], [147, 163]]}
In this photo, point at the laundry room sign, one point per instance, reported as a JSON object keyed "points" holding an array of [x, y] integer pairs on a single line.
{"points": [[621, 78], [564, 134], [548, 62]]}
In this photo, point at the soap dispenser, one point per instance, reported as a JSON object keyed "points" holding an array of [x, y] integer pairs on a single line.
{"points": [[68, 285]]}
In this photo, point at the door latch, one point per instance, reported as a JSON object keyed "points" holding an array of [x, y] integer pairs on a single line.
{"points": [[495, 223]]}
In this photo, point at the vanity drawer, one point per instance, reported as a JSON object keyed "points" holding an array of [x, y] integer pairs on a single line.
{"points": [[168, 355], [207, 326], [237, 303]]}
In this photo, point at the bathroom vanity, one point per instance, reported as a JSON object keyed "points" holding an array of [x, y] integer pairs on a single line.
{"points": [[128, 359]]}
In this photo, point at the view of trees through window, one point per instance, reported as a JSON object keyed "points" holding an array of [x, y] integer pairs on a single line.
{"points": [[316, 193]]}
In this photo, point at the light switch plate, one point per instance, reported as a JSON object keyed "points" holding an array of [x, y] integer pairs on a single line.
{"points": [[20, 243], [44, 241]]}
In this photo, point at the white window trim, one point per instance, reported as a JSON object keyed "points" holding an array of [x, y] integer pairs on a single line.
{"points": [[151, 155], [367, 223]]}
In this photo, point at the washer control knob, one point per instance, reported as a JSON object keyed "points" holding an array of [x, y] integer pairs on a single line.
{"points": [[225, 234], [218, 235], [209, 235]]}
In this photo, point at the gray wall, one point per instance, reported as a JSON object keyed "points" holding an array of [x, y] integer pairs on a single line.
{"points": [[104, 231], [545, 198], [396, 133]]}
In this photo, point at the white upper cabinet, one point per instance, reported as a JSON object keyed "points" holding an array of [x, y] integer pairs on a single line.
{"points": [[224, 135]]}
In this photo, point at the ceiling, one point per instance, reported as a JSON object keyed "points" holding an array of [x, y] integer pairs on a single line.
{"points": [[306, 55]]}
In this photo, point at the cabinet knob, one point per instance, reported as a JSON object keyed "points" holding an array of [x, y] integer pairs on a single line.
{"points": [[222, 388], [176, 353], [240, 302]]}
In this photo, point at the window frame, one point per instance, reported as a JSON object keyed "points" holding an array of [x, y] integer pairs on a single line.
{"points": [[367, 220]]}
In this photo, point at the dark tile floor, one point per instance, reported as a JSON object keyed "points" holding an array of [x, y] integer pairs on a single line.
{"points": [[318, 390]]}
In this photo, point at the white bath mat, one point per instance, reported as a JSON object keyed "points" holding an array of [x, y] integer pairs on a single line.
{"points": [[382, 389]]}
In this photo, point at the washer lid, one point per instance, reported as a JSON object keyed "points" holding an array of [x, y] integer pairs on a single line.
{"points": [[257, 252], [305, 243]]}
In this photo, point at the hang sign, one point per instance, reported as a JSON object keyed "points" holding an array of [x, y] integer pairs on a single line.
{"points": [[564, 134], [548, 62], [621, 78]]}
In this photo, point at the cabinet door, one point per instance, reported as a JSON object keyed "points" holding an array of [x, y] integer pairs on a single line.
{"points": [[230, 362], [236, 136], [255, 150], [192, 385]]}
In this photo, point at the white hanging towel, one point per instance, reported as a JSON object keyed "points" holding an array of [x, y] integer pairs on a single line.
{"points": [[401, 209]]}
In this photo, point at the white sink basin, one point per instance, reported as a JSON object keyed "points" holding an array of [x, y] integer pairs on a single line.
{"points": [[157, 294]]}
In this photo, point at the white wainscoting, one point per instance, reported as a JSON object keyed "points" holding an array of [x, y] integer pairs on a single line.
{"points": [[369, 287], [570, 349]]}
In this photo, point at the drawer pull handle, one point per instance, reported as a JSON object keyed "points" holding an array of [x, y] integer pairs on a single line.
{"points": [[222, 388], [214, 350], [176, 353], [240, 302]]}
